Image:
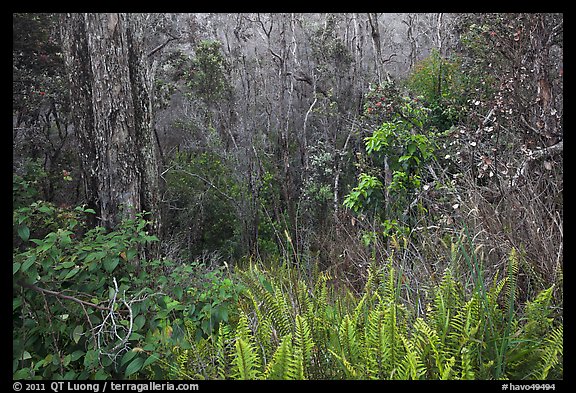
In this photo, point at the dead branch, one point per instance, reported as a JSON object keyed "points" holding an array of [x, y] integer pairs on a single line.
{"points": [[534, 155]]}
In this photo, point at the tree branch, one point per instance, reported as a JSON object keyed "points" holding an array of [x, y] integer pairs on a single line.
{"points": [[535, 155], [159, 47], [61, 296]]}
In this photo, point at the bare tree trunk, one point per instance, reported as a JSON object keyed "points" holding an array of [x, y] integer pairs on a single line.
{"points": [[375, 34], [410, 23], [110, 94]]}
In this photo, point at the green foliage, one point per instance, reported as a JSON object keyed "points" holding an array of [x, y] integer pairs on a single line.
{"points": [[207, 76], [26, 187], [399, 151], [170, 321], [202, 210], [291, 329], [86, 304], [364, 193], [443, 86], [66, 294]]}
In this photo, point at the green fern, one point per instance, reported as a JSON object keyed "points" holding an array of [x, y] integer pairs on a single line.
{"points": [[376, 349], [283, 364], [411, 366], [221, 344], [509, 310], [428, 340], [537, 313], [552, 354], [349, 345], [466, 368], [303, 342], [246, 362], [349, 371], [288, 329]]}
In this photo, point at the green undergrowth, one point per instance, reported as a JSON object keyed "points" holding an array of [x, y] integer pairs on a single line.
{"points": [[87, 305], [292, 328]]}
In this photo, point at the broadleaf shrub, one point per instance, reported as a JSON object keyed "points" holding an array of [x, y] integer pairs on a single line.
{"points": [[87, 305]]}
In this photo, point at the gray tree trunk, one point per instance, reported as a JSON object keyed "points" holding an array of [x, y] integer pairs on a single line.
{"points": [[111, 107]]}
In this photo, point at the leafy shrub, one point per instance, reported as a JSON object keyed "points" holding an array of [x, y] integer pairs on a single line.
{"points": [[399, 150], [443, 86], [67, 299], [87, 305]]}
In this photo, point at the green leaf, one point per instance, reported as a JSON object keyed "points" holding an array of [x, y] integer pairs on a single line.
{"points": [[128, 356], [45, 209], [134, 367], [95, 256], [151, 359], [135, 336], [76, 355], [91, 359], [72, 273], [23, 373], [77, 333], [24, 232], [29, 262], [178, 292], [101, 375], [139, 322], [15, 267], [131, 253], [111, 263], [68, 265]]}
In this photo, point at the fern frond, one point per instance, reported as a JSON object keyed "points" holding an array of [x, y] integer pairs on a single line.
{"points": [[426, 338], [537, 313], [371, 281], [348, 368], [245, 362], [374, 345], [392, 349], [447, 299], [553, 353], [303, 341], [282, 365], [467, 370], [447, 369], [389, 285], [221, 346], [511, 283], [349, 340], [411, 367], [508, 320]]}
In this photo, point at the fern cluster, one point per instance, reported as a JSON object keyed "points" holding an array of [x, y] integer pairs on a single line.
{"points": [[293, 329]]}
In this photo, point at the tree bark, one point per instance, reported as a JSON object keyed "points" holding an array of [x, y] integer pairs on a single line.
{"points": [[111, 106]]}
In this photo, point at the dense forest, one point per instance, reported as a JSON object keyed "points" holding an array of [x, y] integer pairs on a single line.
{"points": [[288, 196]]}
